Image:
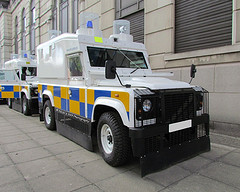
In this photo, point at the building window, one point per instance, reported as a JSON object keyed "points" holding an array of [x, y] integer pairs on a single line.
{"points": [[133, 11], [75, 15], [32, 32], [16, 36], [202, 24], [24, 22], [54, 15], [64, 16]]}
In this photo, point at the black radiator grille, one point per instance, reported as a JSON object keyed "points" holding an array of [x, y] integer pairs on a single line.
{"points": [[178, 107]]}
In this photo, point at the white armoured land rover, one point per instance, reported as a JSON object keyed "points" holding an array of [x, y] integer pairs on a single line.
{"points": [[17, 83], [93, 86]]}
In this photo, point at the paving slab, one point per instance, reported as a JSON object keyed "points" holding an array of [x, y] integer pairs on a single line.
{"points": [[128, 181], [78, 157], [98, 170], [195, 164], [51, 140], [32, 129], [62, 181], [13, 139], [217, 151], [40, 167], [232, 159], [64, 147], [5, 160], [20, 146], [224, 173], [42, 134], [199, 183], [169, 176], [9, 174], [29, 155], [89, 188], [20, 186], [6, 127], [11, 132]]}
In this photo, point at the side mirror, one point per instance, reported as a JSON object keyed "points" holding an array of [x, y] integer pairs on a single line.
{"points": [[193, 71], [110, 69], [23, 77]]}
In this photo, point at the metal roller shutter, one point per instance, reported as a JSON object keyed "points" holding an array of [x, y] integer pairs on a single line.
{"points": [[202, 24], [136, 25]]}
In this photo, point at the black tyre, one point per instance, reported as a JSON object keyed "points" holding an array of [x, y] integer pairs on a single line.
{"points": [[25, 106], [113, 140], [48, 115], [9, 102]]}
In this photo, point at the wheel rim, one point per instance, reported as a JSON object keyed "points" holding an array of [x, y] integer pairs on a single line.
{"points": [[107, 139], [47, 115], [24, 105], [9, 102]]}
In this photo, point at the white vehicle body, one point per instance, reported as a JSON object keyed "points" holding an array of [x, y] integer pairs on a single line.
{"points": [[19, 84], [78, 102]]}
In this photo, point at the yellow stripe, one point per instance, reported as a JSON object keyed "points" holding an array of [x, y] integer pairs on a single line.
{"points": [[50, 88], [90, 96], [39, 87], [122, 96], [7, 95], [57, 102], [74, 107], [64, 92], [16, 88], [82, 95]]}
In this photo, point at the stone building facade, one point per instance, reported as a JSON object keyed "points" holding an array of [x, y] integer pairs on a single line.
{"points": [[207, 35]]}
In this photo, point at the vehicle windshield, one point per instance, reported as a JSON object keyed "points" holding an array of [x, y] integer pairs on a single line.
{"points": [[6, 75], [123, 58], [29, 71]]}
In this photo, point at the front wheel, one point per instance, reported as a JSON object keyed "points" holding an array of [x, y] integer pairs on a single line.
{"points": [[113, 140], [25, 106], [48, 115]]}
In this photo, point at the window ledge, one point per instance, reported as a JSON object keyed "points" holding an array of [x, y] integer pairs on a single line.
{"points": [[206, 52]]}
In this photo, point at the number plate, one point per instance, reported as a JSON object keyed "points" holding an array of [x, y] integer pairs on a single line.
{"points": [[180, 125]]}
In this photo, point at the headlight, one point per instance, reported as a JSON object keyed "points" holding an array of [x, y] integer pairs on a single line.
{"points": [[147, 104]]}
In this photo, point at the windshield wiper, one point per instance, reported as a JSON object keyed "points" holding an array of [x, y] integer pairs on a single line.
{"points": [[130, 61]]}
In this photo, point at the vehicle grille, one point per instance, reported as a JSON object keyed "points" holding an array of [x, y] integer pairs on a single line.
{"points": [[178, 107]]}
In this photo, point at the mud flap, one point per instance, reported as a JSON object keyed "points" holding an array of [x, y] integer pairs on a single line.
{"points": [[169, 156]]}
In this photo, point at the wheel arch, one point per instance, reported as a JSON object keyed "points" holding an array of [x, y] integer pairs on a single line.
{"points": [[47, 95], [108, 104]]}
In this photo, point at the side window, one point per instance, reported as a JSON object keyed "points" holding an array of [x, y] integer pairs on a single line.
{"points": [[7, 75], [74, 66]]}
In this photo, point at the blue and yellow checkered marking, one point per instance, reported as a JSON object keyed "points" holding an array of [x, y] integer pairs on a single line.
{"points": [[9, 91], [73, 99]]}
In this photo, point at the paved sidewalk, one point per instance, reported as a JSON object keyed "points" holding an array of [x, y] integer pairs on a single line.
{"points": [[35, 159]]}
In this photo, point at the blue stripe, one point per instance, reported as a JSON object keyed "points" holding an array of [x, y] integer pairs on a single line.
{"points": [[57, 91], [75, 94], [16, 94], [100, 93], [89, 110], [128, 115], [63, 104], [7, 88], [82, 109], [44, 87], [0, 94]]}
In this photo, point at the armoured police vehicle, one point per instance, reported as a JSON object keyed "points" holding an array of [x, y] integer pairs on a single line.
{"points": [[18, 83], [104, 87]]}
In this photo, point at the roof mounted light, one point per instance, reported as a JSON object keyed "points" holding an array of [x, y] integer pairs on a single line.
{"points": [[89, 24]]}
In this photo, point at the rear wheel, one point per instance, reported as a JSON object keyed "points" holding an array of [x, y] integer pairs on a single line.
{"points": [[25, 106], [9, 102], [113, 140], [48, 115]]}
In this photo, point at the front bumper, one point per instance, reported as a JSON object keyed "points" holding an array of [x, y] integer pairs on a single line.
{"points": [[158, 149]]}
